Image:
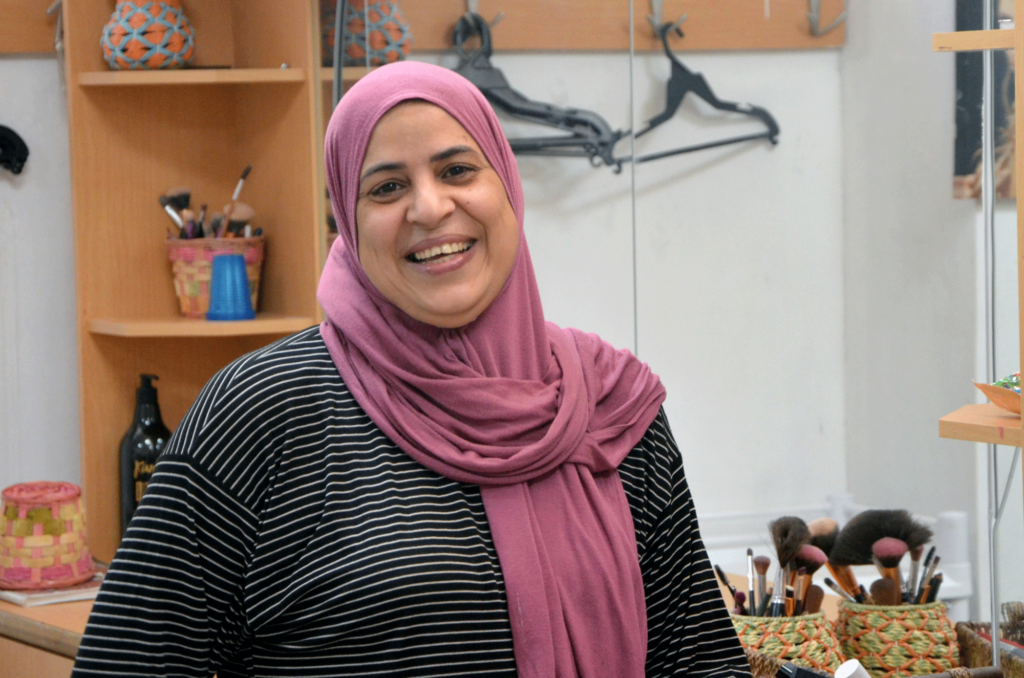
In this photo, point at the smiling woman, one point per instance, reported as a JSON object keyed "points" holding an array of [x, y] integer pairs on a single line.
{"points": [[435, 481], [437, 234]]}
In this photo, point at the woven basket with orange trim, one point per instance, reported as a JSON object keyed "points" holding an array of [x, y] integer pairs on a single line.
{"points": [[192, 266], [807, 640], [900, 640]]}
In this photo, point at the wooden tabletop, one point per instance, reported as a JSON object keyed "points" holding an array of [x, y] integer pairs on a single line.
{"points": [[55, 628], [58, 628]]}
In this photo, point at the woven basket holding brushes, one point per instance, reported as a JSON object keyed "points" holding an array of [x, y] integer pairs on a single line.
{"points": [[899, 640], [807, 640], [975, 651], [192, 267]]}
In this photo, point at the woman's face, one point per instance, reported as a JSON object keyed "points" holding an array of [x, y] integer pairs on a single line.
{"points": [[437, 234]]}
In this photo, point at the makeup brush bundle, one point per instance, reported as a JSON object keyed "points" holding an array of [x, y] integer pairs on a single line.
{"points": [[233, 222], [793, 593], [883, 538]]}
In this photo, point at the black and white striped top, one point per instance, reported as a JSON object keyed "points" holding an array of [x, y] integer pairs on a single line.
{"points": [[284, 535]]}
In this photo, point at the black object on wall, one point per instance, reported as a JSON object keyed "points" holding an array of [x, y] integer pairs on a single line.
{"points": [[13, 150]]}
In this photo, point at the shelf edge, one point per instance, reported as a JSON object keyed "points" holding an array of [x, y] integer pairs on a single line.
{"points": [[198, 328], [972, 41], [982, 424], [212, 76]]}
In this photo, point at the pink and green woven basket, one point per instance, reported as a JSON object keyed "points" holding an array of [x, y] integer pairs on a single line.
{"points": [[42, 537]]}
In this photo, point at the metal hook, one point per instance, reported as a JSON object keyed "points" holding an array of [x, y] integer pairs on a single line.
{"points": [[654, 18], [473, 6], [814, 17]]}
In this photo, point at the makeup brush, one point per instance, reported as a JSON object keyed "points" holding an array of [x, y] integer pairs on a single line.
{"points": [[928, 578], [809, 559], [761, 565], [933, 591], [189, 217], [239, 214], [823, 533], [201, 222], [234, 198], [216, 221], [725, 582], [180, 197], [853, 545], [166, 204], [802, 582], [885, 592], [846, 579], [789, 533], [887, 553], [839, 591], [741, 598], [750, 576], [813, 599], [777, 606], [919, 585]]}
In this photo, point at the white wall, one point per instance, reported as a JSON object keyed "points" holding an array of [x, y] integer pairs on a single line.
{"points": [[739, 260], [908, 256], [38, 361]]}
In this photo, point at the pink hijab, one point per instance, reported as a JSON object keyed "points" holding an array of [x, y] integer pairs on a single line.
{"points": [[539, 417]]}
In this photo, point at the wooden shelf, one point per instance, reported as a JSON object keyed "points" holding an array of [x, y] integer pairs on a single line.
{"points": [[348, 74], [972, 41], [265, 323], [192, 76], [982, 424]]}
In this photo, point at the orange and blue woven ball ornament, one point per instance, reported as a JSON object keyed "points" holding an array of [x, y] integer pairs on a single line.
{"points": [[148, 36], [372, 32]]}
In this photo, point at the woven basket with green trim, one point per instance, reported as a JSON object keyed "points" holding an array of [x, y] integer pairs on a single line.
{"points": [[807, 640], [899, 640]]}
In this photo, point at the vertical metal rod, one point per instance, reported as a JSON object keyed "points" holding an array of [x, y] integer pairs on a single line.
{"points": [[633, 197], [988, 190]]}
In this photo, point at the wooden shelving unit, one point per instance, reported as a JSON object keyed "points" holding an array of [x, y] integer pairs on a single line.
{"points": [[134, 135], [987, 423]]}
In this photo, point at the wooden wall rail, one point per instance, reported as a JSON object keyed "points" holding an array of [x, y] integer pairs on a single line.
{"points": [[604, 24], [25, 28], [542, 25]]}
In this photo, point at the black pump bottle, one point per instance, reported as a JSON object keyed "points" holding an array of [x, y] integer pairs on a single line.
{"points": [[140, 447]]}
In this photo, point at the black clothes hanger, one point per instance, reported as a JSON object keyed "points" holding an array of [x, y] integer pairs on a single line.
{"points": [[13, 150], [683, 81], [589, 135]]}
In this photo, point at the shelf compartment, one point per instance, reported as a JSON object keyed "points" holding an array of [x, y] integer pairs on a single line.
{"points": [[192, 76], [348, 74], [265, 323], [972, 41], [982, 424]]}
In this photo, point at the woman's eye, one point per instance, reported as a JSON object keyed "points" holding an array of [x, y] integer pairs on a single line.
{"points": [[385, 189], [458, 171]]}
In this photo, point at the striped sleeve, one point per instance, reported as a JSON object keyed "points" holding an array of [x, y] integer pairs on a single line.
{"points": [[171, 603], [689, 630]]}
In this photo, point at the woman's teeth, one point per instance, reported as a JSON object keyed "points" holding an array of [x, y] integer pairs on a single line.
{"points": [[441, 251]]}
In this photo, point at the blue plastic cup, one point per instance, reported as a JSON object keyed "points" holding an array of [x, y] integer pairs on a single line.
{"points": [[229, 289]]}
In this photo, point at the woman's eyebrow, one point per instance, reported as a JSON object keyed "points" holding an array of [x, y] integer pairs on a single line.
{"points": [[449, 152], [437, 157]]}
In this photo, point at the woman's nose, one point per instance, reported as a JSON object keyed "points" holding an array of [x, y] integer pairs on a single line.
{"points": [[430, 205]]}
